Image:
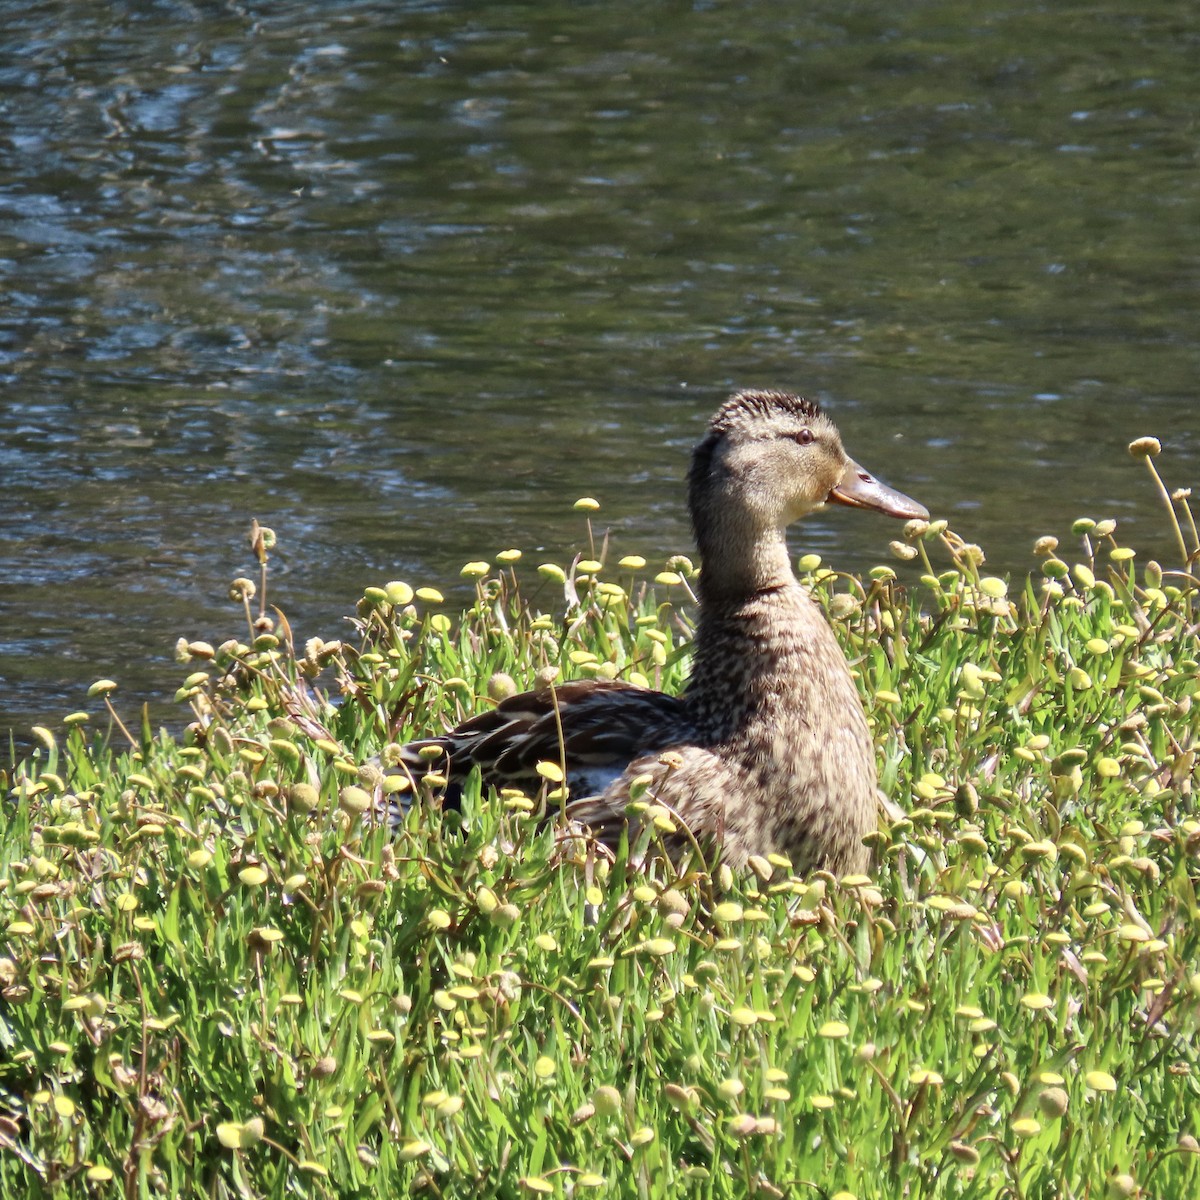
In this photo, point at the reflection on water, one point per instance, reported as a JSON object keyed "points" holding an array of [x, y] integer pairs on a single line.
{"points": [[402, 281]]}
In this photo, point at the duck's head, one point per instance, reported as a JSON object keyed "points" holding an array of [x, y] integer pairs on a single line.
{"points": [[774, 458]]}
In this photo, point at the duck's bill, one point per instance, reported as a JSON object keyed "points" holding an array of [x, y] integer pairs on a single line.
{"points": [[860, 489]]}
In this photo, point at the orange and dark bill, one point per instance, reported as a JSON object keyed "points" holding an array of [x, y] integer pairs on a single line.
{"points": [[860, 489]]}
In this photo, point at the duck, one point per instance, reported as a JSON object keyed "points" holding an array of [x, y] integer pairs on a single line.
{"points": [[767, 750]]}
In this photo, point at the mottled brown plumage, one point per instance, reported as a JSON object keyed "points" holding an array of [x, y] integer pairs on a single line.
{"points": [[768, 748]]}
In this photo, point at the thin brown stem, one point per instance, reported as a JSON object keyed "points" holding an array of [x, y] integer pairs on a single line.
{"points": [[119, 723], [1170, 506]]}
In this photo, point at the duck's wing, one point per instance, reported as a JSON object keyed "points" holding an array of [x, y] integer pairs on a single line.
{"points": [[595, 728]]}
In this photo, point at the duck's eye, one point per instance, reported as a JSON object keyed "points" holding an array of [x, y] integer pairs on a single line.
{"points": [[804, 437]]}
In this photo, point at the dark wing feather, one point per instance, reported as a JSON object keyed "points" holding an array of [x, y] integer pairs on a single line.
{"points": [[596, 726]]}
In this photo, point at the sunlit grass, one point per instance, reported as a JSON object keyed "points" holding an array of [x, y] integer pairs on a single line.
{"points": [[219, 978]]}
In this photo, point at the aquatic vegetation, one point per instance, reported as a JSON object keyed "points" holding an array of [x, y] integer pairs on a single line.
{"points": [[218, 977]]}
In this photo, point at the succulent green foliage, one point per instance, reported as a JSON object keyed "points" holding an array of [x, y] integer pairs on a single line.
{"points": [[219, 978]]}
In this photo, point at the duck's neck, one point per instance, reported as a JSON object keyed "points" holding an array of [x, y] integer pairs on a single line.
{"points": [[740, 562], [757, 631]]}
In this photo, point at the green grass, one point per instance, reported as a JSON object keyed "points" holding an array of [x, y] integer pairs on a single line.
{"points": [[216, 980]]}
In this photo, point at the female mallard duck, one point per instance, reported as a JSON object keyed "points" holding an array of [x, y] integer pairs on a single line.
{"points": [[768, 749]]}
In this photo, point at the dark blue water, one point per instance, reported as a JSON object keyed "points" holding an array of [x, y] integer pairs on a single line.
{"points": [[404, 280]]}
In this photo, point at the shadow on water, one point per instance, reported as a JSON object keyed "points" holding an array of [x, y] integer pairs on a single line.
{"points": [[403, 281]]}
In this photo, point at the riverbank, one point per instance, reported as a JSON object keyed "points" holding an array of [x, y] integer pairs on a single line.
{"points": [[219, 979]]}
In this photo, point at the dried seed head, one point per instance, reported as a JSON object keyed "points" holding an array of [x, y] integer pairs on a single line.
{"points": [[398, 593], [1053, 1102], [354, 800], [1045, 545], [843, 606], [242, 589], [607, 1101], [229, 1134], [966, 800], [902, 550], [303, 797], [1145, 447], [743, 1125], [761, 867], [681, 1099], [924, 1077]]}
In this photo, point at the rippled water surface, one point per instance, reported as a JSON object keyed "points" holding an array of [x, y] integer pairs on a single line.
{"points": [[404, 280]]}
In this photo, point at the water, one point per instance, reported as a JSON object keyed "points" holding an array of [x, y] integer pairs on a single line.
{"points": [[404, 280]]}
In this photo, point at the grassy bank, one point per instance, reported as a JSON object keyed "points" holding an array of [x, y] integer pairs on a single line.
{"points": [[217, 979]]}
